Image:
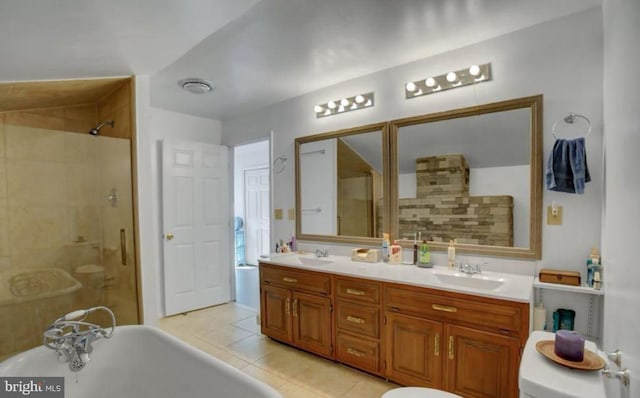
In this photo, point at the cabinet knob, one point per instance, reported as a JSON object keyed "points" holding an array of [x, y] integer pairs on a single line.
{"points": [[169, 236]]}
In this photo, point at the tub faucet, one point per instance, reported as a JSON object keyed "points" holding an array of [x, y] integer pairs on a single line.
{"points": [[72, 338]]}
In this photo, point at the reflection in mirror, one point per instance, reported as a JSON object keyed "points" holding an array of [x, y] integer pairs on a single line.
{"points": [[466, 179], [340, 183], [471, 175]]}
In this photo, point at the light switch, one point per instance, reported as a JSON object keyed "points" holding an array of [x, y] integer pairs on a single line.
{"points": [[292, 214], [554, 219], [277, 213]]}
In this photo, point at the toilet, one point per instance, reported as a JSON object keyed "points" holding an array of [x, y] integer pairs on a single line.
{"points": [[539, 377], [417, 392]]}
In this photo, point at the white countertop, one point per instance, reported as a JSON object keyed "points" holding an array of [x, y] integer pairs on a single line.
{"points": [[514, 287]]}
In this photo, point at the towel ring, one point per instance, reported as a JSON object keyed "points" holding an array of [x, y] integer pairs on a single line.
{"points": [[571, 118], [279, 164]]}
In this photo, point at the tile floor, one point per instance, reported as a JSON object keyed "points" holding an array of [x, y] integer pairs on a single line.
{"points": [[229, 332]]}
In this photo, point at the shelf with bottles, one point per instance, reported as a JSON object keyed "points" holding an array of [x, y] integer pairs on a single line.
{"points": [[567, 288]]}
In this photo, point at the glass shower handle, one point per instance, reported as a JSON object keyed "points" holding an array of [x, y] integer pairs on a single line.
{"points": [[123, 246]]}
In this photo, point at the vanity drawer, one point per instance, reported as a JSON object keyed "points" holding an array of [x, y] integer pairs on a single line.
{"points": [[357, 318], [299, 280], [358, 352], [358, 290], [504, 317]]}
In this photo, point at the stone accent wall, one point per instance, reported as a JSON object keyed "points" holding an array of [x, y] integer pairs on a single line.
{"points": [[444, 210]]}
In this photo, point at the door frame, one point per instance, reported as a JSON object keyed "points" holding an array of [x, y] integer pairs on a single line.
{"points": [[232, 167]]}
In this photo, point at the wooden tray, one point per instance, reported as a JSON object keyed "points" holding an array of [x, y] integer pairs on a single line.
{"points": [[591, 360]]}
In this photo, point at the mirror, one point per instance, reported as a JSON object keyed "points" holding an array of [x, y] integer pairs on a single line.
{"points": [[473, 175], [340, 179]]}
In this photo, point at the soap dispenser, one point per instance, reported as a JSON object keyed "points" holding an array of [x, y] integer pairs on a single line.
{"points": [[395, 253], [424, 256], [451, 254]]}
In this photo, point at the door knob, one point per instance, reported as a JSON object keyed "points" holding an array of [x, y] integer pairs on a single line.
{"points": [[169, 236]]}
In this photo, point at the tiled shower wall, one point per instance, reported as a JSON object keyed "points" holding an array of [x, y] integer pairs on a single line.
{"points": [[53, 214]]}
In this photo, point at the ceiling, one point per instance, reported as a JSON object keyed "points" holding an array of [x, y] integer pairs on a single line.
{"points": [[258, 52]]}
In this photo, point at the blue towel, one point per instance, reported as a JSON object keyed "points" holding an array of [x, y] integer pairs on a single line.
{"points": [[567, 169]]}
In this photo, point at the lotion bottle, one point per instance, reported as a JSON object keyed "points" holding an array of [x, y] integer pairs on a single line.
{"points": [[385, 247], [451, 254], [424, 256], [395, 253]]}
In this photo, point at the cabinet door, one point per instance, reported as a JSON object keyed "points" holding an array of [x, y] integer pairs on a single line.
{"points": [[312, 323], [414, 350], [275, 313], [480, 364]]}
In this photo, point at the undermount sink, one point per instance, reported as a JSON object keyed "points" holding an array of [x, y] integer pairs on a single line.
{"points": [[475, 281], [313, 261]]}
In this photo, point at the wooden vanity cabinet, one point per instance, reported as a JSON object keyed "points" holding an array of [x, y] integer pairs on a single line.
{"points": [[358, 317], [467, 345], [296, 308]]}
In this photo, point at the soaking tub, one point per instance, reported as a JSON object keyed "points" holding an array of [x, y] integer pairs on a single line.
{"points": [[141, 362]]}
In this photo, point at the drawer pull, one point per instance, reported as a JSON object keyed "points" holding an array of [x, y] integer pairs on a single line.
{"points": [[295, 307], [355, 319], [291, 280], [355, 352], [287, 307], [451, 349], [444, 308], [436, 344], [355, 292]]}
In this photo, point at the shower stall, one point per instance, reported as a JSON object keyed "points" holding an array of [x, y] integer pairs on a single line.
{"points": [[67, 237]]}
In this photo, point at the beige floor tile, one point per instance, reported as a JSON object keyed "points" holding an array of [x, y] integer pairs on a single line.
{"points": [[249, 324], [254, 347], [370, 387], [291, 390], [329, 378], [287, 362], [224, 336], [269, 378]]}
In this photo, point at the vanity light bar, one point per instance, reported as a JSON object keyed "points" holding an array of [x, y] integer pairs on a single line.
{"points": [[343, 105], [463, 77]]}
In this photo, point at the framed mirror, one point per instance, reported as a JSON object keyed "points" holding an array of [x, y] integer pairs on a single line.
{"points": [[471, 174], [342, 182]]}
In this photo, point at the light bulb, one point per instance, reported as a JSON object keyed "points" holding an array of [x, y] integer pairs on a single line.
{"points": [[341, 108], [417, 93], [430, 82], [359, 99], [331, 105], [354, 106], [318, 108], [327, 112], [474, 70], [452, 77], [344, 102], [369, 103], [411, 86]]}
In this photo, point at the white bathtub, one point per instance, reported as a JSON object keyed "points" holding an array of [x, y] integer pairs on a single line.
{"points": [[141, 362]]}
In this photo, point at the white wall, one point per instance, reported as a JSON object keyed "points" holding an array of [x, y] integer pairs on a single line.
{"points": [[153, 126], [318, 187], [622, 209], [561, 59], [506, 181]]}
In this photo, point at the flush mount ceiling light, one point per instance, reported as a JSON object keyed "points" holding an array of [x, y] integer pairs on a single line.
{"points": [[463, 77], [196, 85], [343, 105]]}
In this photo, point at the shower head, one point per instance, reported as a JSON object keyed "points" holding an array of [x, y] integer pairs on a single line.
{"points": [[96, 130]]}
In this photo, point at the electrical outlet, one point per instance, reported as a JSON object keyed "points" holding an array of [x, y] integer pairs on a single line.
{"points": [[292, 214], [554, 219], [277, 213]]}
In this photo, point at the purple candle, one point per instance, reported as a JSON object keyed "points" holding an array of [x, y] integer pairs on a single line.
{"points": [[569, 345]]}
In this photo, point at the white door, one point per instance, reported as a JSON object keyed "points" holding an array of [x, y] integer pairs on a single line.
{"points": [[256, 209], [196, 226]]}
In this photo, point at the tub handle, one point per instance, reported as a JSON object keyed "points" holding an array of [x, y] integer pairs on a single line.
{"points": [[123, 246]]}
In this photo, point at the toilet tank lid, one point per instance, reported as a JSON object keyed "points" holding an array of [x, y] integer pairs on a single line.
{"points": [[539, 377]]}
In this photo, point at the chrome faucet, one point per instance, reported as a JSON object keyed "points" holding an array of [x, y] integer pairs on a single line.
{"points": [[72, 338], [470, 269], [322, 252]]}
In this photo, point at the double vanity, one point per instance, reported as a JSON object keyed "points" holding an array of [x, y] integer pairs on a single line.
{"points": [[434, 327]]}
